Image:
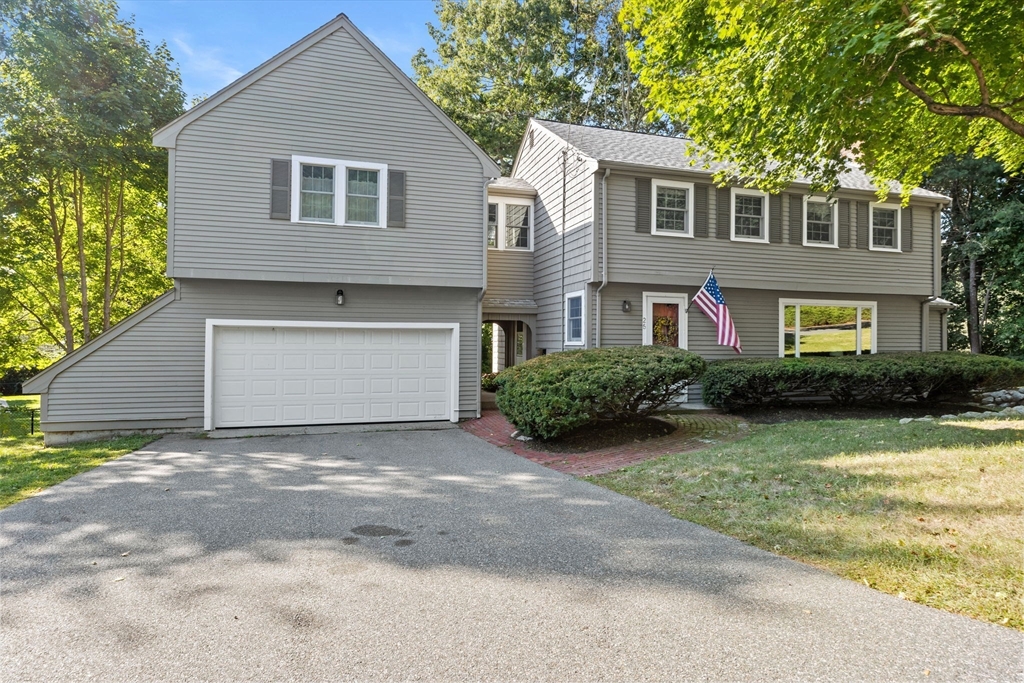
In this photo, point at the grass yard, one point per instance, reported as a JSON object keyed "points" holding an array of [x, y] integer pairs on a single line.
{"points": [[930, 511], [27, 466]]}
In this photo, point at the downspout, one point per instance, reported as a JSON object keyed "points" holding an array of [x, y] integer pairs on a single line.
{"points": [[604, 254], [924, 322]]}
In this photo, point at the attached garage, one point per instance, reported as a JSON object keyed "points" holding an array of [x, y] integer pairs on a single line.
{"points": [[276, 373]]}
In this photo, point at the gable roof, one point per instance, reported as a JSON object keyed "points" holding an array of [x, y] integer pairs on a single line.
{"points": [[166, 136], [660, 151]]}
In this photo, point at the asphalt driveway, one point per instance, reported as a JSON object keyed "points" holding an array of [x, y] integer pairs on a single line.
{"points": [[425, 555]]}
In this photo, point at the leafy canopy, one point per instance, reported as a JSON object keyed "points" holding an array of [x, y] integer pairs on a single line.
{"points": [[783, 89], [500, 62]]}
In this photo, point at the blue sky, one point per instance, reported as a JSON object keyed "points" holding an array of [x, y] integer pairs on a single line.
{"points": [[216, 41]]}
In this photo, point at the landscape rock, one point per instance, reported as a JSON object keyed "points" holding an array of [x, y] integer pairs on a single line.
{"points": [[906, 420], [949, 417]]}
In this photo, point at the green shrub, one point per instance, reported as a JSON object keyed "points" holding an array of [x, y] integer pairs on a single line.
{"points": [[487, 381], [846, 380], [551, 395]]}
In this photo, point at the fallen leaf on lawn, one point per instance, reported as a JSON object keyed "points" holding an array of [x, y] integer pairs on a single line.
{"points": [[126, 554], [120, 578]]}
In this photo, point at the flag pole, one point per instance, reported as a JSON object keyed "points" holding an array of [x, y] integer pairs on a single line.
{"points": [[690, 305]]}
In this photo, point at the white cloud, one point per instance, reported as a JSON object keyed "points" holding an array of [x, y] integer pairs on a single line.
{"points": [[202, 69]]}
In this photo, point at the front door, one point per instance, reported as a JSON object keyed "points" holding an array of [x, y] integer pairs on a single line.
{"points": [[664, 320]]}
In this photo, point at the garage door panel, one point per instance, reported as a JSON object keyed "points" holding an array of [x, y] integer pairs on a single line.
{"points": [[288, 375]]}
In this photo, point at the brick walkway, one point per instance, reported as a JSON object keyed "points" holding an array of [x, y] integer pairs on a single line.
{"points": [[694, 432]]}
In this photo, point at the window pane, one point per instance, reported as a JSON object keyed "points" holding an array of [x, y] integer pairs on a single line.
{"points": [[670, 212], [819, 222], [749, 214], [828, 331], [492, 225], [665, 324], [883, 227], [361, 198], [517, 226], [865, 331], [316, 193], [575, 318], [789, 331]]}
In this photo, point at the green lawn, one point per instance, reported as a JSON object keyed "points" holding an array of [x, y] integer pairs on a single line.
{"points": [[933, 512], [27, 466]]}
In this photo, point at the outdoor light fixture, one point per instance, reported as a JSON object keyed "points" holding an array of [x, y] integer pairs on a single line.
{"points": [[341, 298], [627, 306]]}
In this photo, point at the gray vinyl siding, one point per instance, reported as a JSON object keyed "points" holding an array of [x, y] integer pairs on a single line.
{"points": [[336, 101], [151, 376], [935, 330], [509, 274], [756, 315], [639, 257], [563, 260]]}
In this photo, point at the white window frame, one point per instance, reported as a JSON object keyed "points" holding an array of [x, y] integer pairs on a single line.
{"points": [[859, 305], [899, 226], [583, 318], [834, 205], [765, 227], [655, 184], [341, 168], [651, 298], [502, 202]]}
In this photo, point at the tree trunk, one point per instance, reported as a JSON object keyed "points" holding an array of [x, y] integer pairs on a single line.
{"points": [[57, 230], [973, 318], [83, 282]]}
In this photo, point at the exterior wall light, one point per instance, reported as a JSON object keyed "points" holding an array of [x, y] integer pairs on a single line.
{"points": [[341, 298], [627, 306]]}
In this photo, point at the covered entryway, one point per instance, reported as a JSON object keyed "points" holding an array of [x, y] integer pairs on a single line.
{"points": [[275, 373]]}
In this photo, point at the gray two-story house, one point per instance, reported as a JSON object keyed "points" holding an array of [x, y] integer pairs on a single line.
{"points": [[337, 243], [326, 244], [624, 228]]}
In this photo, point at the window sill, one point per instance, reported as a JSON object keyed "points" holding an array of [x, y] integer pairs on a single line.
{"points": [[671, 233], [522, 250], [340, 225], [872, 247], [754, 240], [573, 343], [821, 244]]}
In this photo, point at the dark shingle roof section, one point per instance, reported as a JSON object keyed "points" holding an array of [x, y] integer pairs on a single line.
{"points": [[659, 151]]}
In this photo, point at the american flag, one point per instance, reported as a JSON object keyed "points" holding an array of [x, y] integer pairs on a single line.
{"points": [[710, 300]]}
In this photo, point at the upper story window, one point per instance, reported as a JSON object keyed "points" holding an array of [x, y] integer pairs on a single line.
{"points": [[673, 210], [885, 227], [820, 222], [510, 223], [574, 319], [749, 215], [339, 192]]}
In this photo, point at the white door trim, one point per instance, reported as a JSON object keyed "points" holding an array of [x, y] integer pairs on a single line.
{"points": [[212, 323], [651, 298]]}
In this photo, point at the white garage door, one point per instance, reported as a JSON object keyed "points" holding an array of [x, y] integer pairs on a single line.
{"points": [[288, 375]]}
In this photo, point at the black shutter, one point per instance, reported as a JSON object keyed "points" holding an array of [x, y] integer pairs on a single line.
{"points": [[723, 213], [863, 225], [700, 210], [907, 230], [396, 199], [775, 218], [643, 205], [796, 219], [280, 189], [844, 223]]}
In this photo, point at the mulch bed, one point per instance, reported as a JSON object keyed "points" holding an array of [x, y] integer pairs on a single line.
{"points": [[829, 411], [605, 435]]}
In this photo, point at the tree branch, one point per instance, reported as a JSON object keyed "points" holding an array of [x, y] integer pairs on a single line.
{"points": [[947, 109]]}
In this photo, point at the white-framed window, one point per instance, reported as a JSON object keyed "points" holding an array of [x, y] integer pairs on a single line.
{"points": [[339, 192], [665, 320], [885, 227], [575, 318], [827, 327], [671, 208], [821, 222], [749, 215], [510, 223]]}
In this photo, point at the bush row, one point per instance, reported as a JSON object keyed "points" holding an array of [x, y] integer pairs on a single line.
{"points": [[551, 395], [846, 380]]}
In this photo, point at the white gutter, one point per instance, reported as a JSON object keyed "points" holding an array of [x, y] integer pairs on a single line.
{"points": [[604, 254], [480, 297]]}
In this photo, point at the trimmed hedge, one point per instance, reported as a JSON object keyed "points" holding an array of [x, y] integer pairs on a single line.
{"points": [[551, 395], [846, 380]]}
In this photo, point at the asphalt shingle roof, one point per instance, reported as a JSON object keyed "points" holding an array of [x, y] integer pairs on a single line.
{"points": [[659, 151]]}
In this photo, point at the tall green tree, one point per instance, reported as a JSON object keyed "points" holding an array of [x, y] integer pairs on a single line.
{"points": [[783, 89], [499, 62], [82, 189], [983, 254]]}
